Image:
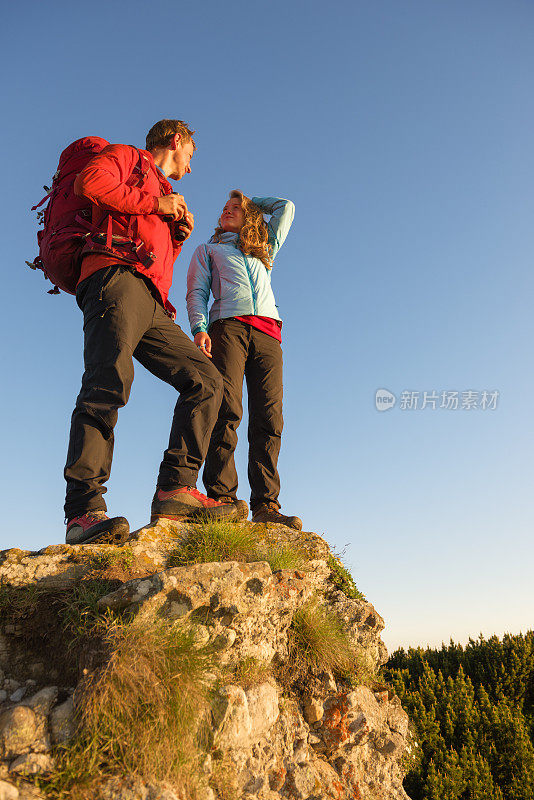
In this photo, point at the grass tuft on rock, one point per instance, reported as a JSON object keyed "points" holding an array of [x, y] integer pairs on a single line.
{"points": [[142, 714], [250, 672], [212, 540], [122, 557], [341, 578], [112, 563], [319, 643]]}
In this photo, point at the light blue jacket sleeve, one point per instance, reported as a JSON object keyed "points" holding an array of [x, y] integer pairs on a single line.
{"points": [[198, 289], [282, 213]]}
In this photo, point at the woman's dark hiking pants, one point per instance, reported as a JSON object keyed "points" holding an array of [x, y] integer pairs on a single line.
{"points": [[240, 350], [122, 319]]}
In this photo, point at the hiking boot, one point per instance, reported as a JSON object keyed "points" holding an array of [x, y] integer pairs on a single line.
{"points": [[95, 527], [187, 501], [269, 512], [240, 506]]}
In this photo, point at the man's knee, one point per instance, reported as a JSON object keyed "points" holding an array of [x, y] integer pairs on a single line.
{"points": [[108, 384]]}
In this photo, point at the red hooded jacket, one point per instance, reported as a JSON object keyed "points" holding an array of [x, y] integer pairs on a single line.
{"points": [[103, 182]]}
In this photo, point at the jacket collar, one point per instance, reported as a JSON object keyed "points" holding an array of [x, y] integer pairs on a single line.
{"points": [[159, 172], [227, 237]]}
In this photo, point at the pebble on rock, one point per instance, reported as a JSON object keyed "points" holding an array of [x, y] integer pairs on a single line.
{"points": [[313, 711]]}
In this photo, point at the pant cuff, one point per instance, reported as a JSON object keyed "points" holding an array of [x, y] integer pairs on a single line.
{"points": [[177, 480], [255, 503], [79, 511]]}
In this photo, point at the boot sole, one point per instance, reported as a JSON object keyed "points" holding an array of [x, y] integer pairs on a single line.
{"points": [[114, 537], [294, 527], [201, 513]]}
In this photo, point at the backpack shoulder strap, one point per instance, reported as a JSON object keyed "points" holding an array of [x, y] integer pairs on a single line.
{"points": [[140, 170]]}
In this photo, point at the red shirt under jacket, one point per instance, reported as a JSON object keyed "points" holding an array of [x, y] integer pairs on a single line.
{"points": [[265, 324]]}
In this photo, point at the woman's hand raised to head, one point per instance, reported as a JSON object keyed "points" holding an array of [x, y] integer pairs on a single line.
{"points": [[203, 342]]}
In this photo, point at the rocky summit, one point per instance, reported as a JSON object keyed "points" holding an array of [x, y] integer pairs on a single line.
{"points": [[198, 661]]}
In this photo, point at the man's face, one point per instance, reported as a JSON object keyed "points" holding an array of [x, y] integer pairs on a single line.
{"points": [[181, 157], [232, 217]]}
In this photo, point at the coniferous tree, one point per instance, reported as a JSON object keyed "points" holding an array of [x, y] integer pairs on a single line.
{"points": [[472, 710]]}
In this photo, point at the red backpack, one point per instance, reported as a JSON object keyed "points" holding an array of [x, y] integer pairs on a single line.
{"points": [[67, 226]]}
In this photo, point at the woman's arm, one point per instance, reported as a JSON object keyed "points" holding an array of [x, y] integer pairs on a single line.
{"points": [[282, 213], [198, 290]]}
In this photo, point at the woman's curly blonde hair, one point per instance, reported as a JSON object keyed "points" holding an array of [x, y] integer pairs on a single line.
{"points": [[254, 235]]}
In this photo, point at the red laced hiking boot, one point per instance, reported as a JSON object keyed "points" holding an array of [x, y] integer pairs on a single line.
{"points": [[189, 502], [95, 527], [269, 512], [240, 506]]}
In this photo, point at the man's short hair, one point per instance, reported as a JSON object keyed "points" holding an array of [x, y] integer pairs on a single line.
{"points": [[161, 133]]}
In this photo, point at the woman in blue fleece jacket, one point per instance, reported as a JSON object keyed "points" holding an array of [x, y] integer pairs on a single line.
{"points": [[242, 334]]}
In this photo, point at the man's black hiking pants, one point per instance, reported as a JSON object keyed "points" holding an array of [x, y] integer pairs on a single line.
{"points": [[238, 351], [123, 320]]}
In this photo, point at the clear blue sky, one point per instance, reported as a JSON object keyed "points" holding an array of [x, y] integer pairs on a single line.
{"points": [[403, 133]]}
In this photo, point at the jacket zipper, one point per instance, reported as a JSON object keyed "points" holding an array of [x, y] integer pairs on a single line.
{"points": [[251, 286]]}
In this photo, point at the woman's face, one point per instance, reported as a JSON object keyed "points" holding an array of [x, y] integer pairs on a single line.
{"points": [[232, 217]]}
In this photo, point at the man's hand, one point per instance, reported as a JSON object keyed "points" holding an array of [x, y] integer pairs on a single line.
{"points": [[190, 220], [172, 205], [203, 342]]}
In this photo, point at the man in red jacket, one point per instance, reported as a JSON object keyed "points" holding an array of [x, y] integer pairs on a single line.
{"points": [[127, 314]]}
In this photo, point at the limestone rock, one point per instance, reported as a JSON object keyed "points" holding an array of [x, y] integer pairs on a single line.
{"points": [[32, 764], [134, 788], [43, 701], [205, 793], [262, 701], [62, 722], [319, 739], [245, 607], [8, 791], [397, 718], [116, 789], [19, 728], [363, 624], [231, 718], [301, 782], [29, 792], [159, 792], [243, 718], [59, 566]]}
